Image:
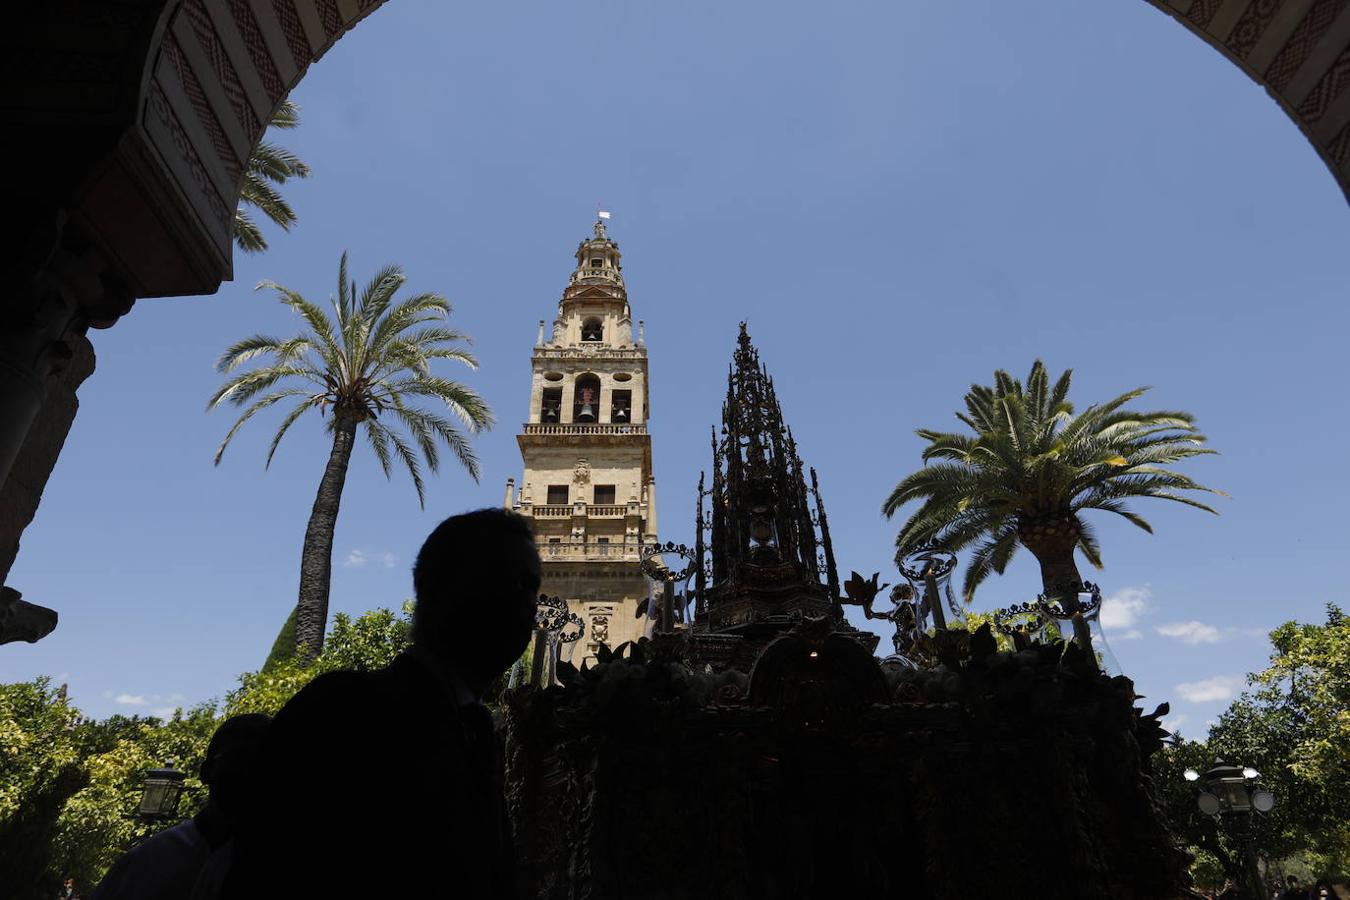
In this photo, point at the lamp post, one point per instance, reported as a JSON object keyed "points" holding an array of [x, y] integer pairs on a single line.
{"points": [[161, 790], [929, 573], [655, 567], [555, 625], [1227, 793]]}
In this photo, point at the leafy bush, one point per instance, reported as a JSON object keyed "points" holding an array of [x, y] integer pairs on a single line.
{"points": [[67, 784]]}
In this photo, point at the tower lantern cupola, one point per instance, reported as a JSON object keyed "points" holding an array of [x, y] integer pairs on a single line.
{"points": [[598, 259]]}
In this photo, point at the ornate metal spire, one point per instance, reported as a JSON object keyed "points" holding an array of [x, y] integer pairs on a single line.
{"points": [[766, 570]]}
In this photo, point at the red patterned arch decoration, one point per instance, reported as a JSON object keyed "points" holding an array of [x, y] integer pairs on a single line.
{"points": [[222, 66], [1298, 51]]}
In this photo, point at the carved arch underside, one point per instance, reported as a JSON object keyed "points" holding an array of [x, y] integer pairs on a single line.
{"points": [[1298, 50], [150, 109]]}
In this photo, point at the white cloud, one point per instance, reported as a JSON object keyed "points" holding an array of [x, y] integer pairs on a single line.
{"points": [[358, 558], [1172, 723], [1220, 687], [1132, 634], [1123, 608], [131, 700], [1191, 632], [164, 712]]}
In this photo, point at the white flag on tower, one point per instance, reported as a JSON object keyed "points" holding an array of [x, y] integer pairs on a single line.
{"points": [[602, 214]]}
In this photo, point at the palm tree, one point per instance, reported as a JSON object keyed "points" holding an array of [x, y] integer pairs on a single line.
{"points": [[358, 369], [269, 163], [1031, 467]]}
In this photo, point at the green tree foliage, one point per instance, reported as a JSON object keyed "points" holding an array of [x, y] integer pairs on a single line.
{"points": [[68, 784], [365, 367], [93, 828], [39, 771], [1031, 466], [368, 642], [283, 648], [1311, 667], [1290, 729], [269, 165]]}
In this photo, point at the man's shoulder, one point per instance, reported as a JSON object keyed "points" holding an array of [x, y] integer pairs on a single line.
{"points": [[331, 702], [345, 687]]}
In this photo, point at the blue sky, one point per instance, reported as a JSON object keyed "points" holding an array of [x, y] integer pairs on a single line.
{"points": [[899, 197]]}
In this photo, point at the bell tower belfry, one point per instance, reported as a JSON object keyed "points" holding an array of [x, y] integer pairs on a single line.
{"points": [[588, 484]]}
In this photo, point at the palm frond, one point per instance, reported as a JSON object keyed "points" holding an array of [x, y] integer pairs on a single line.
{"points": [[287, 422], [1028, 457], [249, 348], [1120, 509], [268, 163], [370, 358], [327, 347], [1089, 545], [256, 192], [244, 386], [257, 407], [276, 164], [379, 441], [286, 115], [247, 235], [409, 458], [991, 556], [462, 402]]}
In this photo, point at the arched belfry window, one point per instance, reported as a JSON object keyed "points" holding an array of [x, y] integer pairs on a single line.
{"points": [[550, 406], [586, 399], [593, 329]]}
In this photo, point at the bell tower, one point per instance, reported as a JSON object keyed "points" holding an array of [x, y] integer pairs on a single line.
{"points": [[588, 484]]}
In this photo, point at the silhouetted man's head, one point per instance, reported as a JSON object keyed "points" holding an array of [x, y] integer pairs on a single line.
{"points": [[228, 767], [477, 581]]}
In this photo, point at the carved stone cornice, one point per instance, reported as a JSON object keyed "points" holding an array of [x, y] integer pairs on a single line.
{"points": [[23, 621]]}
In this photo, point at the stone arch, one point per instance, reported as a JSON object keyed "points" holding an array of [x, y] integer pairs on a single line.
{"points": [[593, 329], [174, 97], [586, 398], [137, 118]]}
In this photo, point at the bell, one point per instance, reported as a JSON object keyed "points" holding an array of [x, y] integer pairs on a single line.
{"points": [[551, 414], [621, 414], [587, 413]]}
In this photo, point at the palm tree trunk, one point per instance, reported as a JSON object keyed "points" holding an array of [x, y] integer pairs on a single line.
{"points": [[316, 558], [1052, 538], [1058, 570]]}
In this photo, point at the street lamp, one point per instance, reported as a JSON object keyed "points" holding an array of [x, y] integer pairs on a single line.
{"points": [[555, 625], [654, 566], [161, 790], [1227, 792]]}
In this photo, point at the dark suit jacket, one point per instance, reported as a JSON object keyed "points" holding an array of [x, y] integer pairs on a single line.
{"points": [[375, 785]]}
